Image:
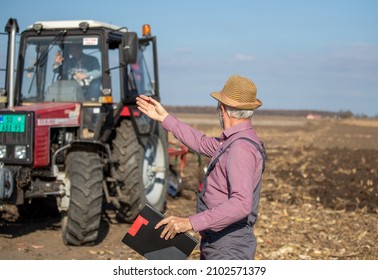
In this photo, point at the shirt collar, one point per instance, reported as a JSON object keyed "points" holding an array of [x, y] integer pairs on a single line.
{"points": [[235, 129]]}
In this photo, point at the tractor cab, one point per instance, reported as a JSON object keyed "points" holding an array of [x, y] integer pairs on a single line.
{"points": [[70, 130]]}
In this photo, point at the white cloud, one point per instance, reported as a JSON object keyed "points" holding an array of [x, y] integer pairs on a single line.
{"points": [[244, 57]]}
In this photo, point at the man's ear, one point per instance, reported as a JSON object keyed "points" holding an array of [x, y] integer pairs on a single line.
{"points": [[223, 109]]}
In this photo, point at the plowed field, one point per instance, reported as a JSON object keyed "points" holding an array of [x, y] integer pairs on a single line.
{"points": [[319, 197]]}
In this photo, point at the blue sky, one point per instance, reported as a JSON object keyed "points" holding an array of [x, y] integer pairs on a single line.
{"points": [[320, 55]]}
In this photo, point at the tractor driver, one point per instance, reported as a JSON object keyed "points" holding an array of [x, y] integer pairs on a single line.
{"points": [[83, 68]]}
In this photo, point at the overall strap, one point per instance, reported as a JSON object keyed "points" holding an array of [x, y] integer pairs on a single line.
{"points": [[260, 148]]}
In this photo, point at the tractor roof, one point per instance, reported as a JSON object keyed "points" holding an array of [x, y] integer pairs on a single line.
{"points": [[74, 24]]}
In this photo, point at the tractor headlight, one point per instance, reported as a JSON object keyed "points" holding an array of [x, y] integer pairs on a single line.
{"points": [[3, 151], [20, 152]]}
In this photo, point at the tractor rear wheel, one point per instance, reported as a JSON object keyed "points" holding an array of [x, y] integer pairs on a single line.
{"points": [[140, 170], [155, 169], [81, 223]]}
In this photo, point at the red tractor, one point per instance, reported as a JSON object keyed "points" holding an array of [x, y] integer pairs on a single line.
{"points": [[70, 131]]}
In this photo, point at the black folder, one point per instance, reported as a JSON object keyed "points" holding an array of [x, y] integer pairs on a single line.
{"points": [[143, 238]]}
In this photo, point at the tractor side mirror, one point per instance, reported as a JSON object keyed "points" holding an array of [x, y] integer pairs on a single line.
{"points": [[130, 47]]}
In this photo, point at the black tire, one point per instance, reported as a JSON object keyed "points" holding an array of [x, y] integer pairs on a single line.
{"points": [[132, 162], [81, 224]]}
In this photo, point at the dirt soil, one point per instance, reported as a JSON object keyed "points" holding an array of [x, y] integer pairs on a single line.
{"points": [[319, 197]]}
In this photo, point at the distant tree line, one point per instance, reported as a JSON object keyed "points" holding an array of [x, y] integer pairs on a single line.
{"points": [[266, 112]]}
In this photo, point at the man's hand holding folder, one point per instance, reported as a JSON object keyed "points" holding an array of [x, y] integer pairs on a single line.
{"points": [[173, 226]]}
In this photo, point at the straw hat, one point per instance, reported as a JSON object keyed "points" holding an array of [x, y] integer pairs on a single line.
{"points": [[238, 92]]}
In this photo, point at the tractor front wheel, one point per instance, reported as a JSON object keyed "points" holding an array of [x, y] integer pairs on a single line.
{"points": [[81, 223]]}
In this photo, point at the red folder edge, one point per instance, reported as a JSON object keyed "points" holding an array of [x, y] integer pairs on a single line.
{"points": [[139, 221]]}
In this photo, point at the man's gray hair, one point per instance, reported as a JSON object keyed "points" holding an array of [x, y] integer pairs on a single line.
{"points": [[238, 113]]}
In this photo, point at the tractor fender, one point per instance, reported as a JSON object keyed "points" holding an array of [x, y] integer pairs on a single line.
{"points": [[86, 145]]}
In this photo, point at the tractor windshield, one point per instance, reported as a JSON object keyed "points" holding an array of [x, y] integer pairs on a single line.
{"points": [[3, 54], [62, 69]]}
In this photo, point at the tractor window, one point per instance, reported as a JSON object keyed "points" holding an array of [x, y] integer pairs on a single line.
{"points": [[35, 74], [62, 69], [3, 58], [142, 76], [115, 74]]}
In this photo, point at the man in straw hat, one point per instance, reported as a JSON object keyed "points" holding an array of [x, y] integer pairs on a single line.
{"points": [[228, 198]]}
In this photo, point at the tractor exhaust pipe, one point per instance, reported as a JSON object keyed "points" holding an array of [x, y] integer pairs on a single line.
{"points": [[11, 28]]}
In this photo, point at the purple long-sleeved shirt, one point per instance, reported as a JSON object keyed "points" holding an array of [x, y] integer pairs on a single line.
{"points": [[230, 185]]}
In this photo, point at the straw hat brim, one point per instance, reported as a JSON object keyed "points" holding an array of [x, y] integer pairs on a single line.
{"points": [[235, 104]]}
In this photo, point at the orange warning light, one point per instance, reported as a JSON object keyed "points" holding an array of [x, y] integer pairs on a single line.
{"points": [[146, 30], [106, 99]]}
